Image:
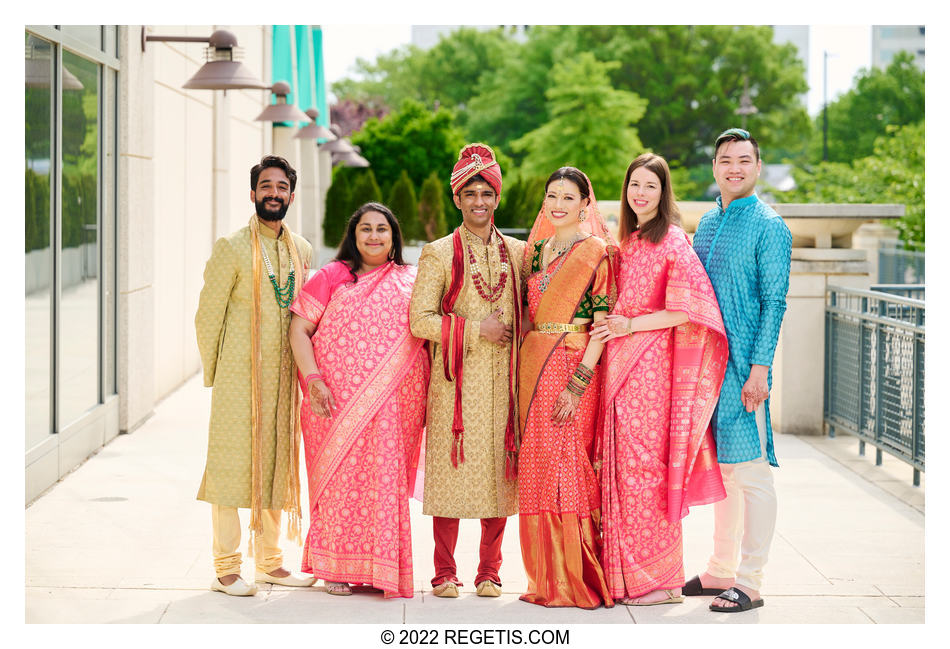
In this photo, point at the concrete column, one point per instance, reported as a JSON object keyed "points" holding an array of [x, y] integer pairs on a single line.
{"points": [[325, 177], [874, 237], [220, 166], [135, 232], [797, 400], [307, 185], [287, 147]]}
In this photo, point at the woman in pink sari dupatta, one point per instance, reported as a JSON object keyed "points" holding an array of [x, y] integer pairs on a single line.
{"points": [[364, 377], [665, 360]]}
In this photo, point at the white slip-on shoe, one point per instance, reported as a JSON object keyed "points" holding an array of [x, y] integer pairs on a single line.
{"points": [[238, 588], [301, 581]]}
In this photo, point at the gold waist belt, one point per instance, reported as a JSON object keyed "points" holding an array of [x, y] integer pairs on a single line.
{"points": [[560, 327]]}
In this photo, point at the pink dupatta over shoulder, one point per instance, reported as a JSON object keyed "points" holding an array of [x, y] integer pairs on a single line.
{"points": [[653, 425], [361, 463]]}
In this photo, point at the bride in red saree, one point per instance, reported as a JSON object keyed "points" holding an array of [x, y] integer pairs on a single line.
{"points": [[664, 364], [569, 284], [364, 377]]}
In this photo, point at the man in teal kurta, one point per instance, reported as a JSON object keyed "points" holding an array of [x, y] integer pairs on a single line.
{"points": [[249, 282], [746, 249]]}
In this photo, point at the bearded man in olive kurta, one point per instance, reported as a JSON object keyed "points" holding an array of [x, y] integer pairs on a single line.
{"points": [[253, 443], [467, 303]]}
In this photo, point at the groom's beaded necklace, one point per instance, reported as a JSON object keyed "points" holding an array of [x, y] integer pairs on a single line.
{"points": [[285, 294], [485, 290]]}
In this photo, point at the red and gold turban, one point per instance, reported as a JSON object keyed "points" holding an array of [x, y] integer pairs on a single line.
{"points": [[475, 159]]}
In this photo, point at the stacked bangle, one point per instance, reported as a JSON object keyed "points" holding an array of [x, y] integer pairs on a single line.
{"points": [[313, 376], [581, 378]]}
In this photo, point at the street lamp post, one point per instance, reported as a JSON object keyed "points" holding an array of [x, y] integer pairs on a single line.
{"points": [[746, 107]]}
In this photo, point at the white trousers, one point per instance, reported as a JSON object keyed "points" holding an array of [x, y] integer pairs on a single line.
{"points": [[746, 518]]}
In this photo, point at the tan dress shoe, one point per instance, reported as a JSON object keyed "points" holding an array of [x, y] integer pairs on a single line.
{"points": [[290, 580], [488, 588], [238, 588], [446, 589]]}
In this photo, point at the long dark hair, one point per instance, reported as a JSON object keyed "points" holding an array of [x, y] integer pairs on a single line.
{"points": [[350, 254], [667, 212]]}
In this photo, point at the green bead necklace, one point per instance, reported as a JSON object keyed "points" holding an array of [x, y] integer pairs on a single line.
{"points": [[285, 294]]}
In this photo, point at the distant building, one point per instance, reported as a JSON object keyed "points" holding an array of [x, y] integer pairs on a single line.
{"points": [[888, 40], [426, 36], [799, 36]]}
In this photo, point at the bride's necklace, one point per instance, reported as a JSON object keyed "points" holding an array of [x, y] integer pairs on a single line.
{"points": [[559, 249]]}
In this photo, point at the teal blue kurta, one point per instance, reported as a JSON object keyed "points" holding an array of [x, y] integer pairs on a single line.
{"points": [[747, 252]]}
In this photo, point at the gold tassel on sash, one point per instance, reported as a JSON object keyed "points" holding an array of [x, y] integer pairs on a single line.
{"points": [[292, 502]]}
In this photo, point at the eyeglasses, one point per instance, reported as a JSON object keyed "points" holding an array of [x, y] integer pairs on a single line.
{"points": [[740, 133]]}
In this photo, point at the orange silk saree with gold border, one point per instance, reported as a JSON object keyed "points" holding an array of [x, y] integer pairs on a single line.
{"points": [[559, 500]]}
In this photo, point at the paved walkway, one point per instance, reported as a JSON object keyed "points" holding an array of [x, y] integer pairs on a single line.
{"points": [[122, 539]]}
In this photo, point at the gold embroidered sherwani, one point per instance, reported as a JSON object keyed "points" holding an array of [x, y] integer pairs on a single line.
{"points": [[477, 488], [223, 327]]}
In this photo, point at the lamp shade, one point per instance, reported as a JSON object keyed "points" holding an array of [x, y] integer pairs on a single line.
{"points": [[282, 111], [223, 75], [314, 131], [340, 145], [353, 159], [222, 71]]}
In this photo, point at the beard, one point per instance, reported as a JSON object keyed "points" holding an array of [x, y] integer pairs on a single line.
{"points": [[268, 215]]}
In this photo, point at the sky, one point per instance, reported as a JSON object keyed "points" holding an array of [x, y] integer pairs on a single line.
{"points": [[848, 45]]}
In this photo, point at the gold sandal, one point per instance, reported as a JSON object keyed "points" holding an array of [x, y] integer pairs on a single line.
{"points": [[670, 599], [338, 588]]}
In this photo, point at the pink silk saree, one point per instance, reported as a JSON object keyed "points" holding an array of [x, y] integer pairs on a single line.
{"points": [[362, 462], [660, 391]]}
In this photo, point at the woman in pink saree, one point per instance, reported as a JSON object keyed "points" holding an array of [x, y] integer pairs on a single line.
{"points": [[664, 364], [364, 377]]}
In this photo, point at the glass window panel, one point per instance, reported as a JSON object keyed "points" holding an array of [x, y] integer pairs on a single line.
{"points": [[78, 372], [39, 262], [108, 212], [89, 34]]}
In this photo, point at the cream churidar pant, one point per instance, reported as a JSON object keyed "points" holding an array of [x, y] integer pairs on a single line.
{"points": [[747, 515], [226, 526]]}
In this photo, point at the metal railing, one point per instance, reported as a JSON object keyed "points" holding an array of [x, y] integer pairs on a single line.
{"points": [[913, 291], [874, 372], [900, 267]]}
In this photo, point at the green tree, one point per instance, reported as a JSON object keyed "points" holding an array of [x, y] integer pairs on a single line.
{"points": [[894, 173], [520, 201], [432, 208], [449, 73], [365, 189], [879, 98], [337, 204], [694, 77], [413, 139], [696, 74], [591, 125], [402, 201]]}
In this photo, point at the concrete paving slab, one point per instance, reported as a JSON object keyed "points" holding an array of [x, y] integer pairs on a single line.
{"points": [[100, 611], [469, 608], [122, 539], [899, 615]]}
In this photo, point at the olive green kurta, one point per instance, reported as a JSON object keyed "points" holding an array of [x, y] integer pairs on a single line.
{"points": [[223, 327], [478, 487]]}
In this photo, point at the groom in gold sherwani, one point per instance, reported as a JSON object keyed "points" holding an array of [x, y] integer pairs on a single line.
{"points": [[467, 303]]}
